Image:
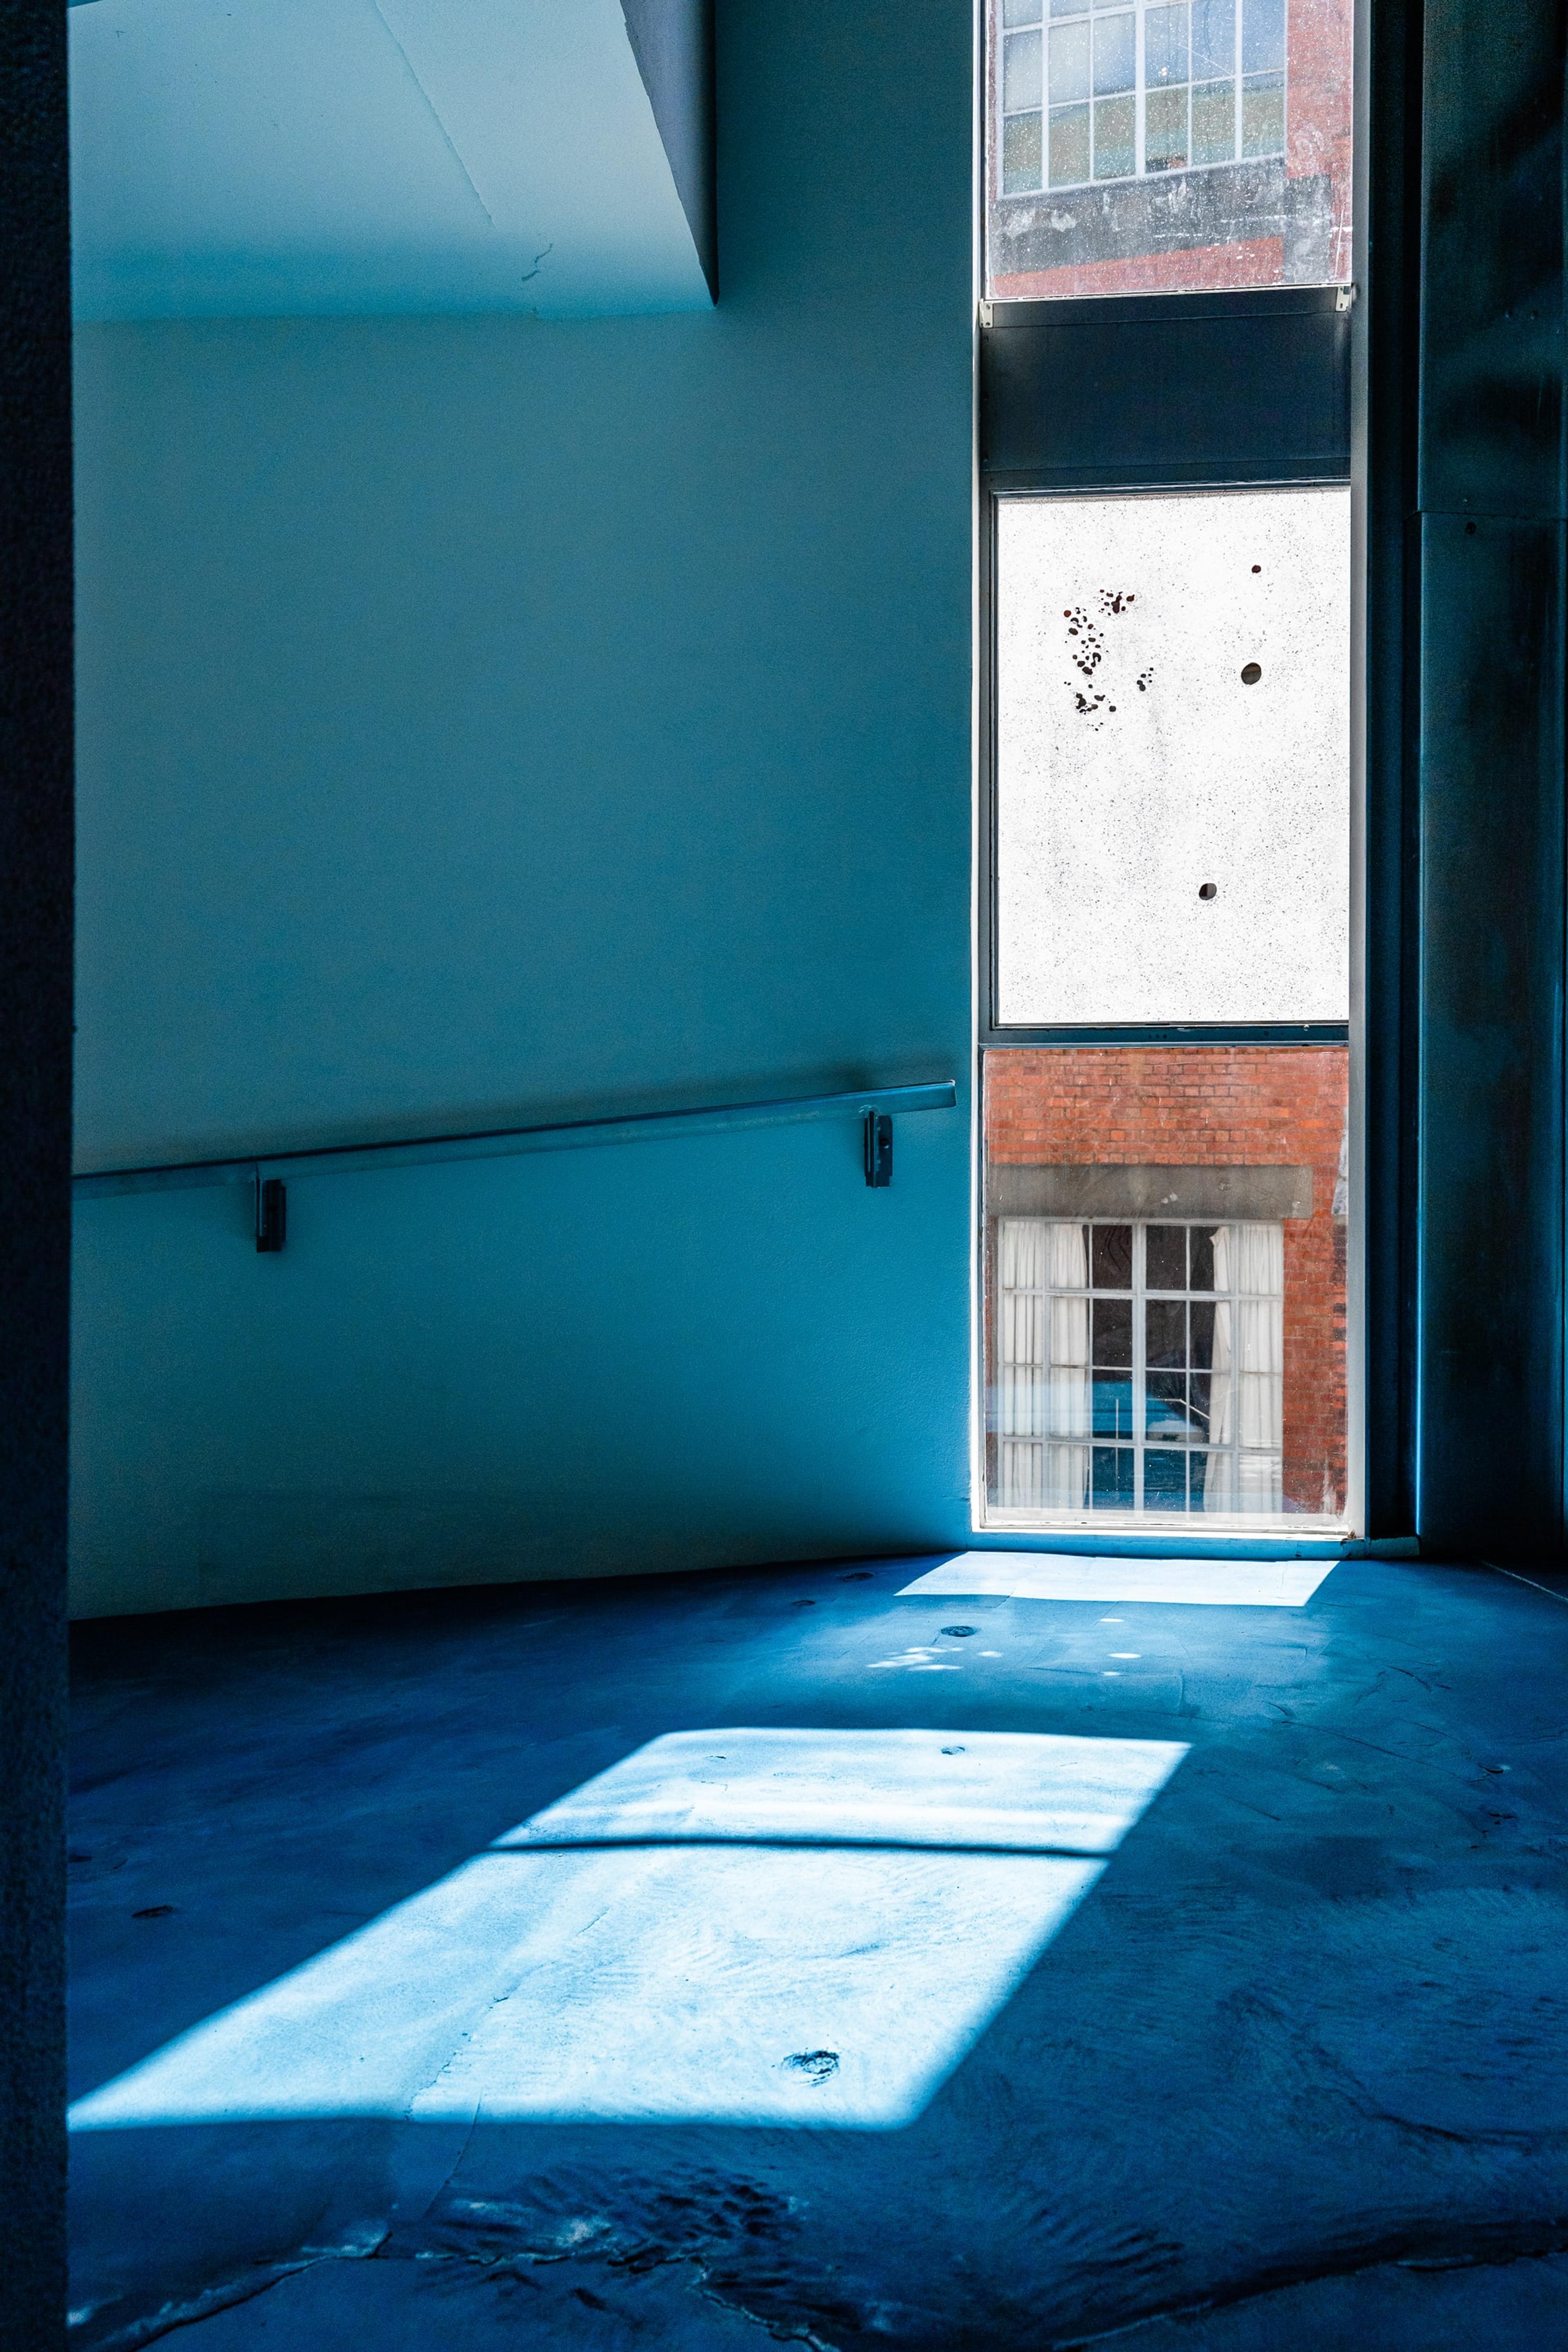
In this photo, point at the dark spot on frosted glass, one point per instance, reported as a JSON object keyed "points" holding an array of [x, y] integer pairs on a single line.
{"points": [[1252, 673]]}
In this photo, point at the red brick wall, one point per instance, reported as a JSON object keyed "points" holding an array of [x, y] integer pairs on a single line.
{"points": [[1212, 1106], [1317, 131]]}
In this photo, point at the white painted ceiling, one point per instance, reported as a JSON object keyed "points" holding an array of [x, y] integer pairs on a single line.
{"points": [[274, 158]]}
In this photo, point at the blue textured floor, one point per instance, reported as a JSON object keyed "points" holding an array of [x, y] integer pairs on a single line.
{"points": [[1294, 2072]]}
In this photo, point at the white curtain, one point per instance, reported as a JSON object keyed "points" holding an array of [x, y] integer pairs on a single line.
{"points": [[1042, 1363], [1246, 1392]]}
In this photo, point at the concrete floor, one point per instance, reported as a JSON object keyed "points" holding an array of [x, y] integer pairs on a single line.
{"points": [[1287, 2069]]}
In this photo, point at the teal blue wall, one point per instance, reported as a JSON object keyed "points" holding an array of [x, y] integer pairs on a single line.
{"points": [[481, 718]]}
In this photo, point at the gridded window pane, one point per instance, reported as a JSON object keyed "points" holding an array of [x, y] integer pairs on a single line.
{"points": [[1263, 115], [1069, 146], [1214, 39], [1165, 1334], [1112, 1406], [1214, 123], [1263, 37], [1164, 47], [1166, 1411], [1110, 1258], [1070, 63], [1021, 72], [1115, 55], [1201, 1312], [1021, 153], [1115, 131], [1202, 1274], [1167, 1257], [1252, 95], [1165, 130], [1165, 1481], [1113, 1333], [1113, 1468]]}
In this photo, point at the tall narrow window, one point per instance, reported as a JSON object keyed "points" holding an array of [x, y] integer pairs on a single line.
{"points": [[1165, 1198]]}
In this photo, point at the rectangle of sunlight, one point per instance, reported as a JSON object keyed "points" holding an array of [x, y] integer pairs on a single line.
{"points": [[1000, 1788], [654, 1972], [1073, 1576]]}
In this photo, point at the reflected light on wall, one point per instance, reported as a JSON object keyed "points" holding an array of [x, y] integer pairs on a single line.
{"points": [[737, 1927]]}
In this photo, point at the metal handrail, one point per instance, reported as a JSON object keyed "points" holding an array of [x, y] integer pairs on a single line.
{"points": [[502, 1142]]}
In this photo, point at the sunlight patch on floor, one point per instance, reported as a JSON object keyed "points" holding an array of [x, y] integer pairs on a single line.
{"points": [[1072, 1576], [756, 1926]]}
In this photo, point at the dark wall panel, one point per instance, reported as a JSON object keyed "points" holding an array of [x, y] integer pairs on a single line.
{"points": [[1252, 387], [1488, 721], [35, 1151], [1490, 1370], [1493, 330]]}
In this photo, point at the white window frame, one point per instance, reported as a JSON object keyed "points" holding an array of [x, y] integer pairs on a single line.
{"points": [[1006, 1384]]}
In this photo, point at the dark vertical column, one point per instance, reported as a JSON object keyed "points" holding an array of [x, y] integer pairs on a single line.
{"points": [[1385, 426], [1490, 564], [35, 1154]]}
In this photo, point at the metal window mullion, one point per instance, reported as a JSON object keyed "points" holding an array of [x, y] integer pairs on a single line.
{"points": [[1236, 87], [1138, 92], [1140, 1365]]}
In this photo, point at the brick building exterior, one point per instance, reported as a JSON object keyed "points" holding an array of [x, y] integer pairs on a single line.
{"points": [[1239, 1107], [1266, 221]]}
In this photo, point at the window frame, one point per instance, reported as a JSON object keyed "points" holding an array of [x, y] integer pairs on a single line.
{"points": [[1284, 416], [1139, 1294]]}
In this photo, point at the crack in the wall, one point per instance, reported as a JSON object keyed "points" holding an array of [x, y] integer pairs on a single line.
{"points": [[436, 118]]}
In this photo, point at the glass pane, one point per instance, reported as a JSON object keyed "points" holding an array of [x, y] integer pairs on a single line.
{"points": [[1165, 1482], [1021, 72], [1266, 139], [1165, 46], [1263, 37], [1165, 1334], [1112, 1488], [1165, 1413], [1165, 130], [1167, 1257], [1069, 62], [1111, 1410], [1172, 782], [1069, 146], [1202, 1276], [1214, 39], [1214, 123], [1263, 115], [1212, 1378], [1111, 1260], [1021, 151], [1115, 54], [1112, 1327], [1115, 129]]}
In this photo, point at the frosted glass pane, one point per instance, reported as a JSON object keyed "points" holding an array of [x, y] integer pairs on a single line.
{"points": [[1174, 758]]}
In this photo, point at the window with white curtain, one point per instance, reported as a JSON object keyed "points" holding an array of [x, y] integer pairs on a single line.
{"points": [[1139, 1366]]}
